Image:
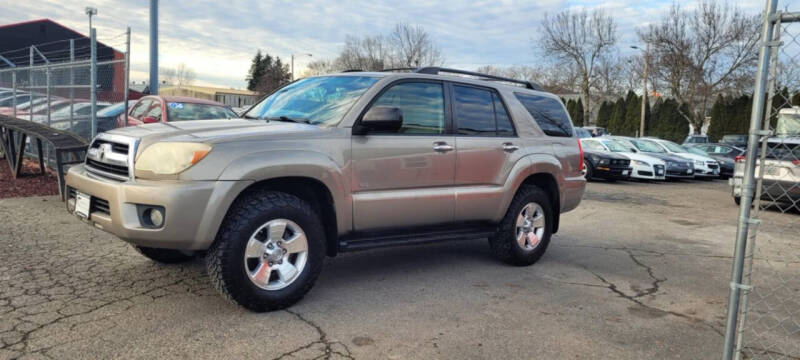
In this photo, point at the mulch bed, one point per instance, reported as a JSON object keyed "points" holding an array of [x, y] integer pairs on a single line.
{"points": [[29, 183]]}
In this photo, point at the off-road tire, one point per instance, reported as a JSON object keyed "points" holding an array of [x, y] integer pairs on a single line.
{"points": [[164, 256], [225, 263], [504, 244]]}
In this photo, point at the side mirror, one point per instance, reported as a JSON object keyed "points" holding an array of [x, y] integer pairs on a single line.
{"points": [[380, 118], [149, 120]]}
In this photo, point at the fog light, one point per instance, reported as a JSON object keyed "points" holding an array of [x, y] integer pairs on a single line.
{"points": [[156, 217]]}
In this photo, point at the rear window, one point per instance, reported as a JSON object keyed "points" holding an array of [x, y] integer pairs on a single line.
{"points": [[548, 113]]}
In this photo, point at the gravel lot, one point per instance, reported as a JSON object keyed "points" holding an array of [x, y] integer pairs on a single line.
{"points": [[639, 270]]}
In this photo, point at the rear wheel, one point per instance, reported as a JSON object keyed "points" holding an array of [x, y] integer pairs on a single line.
{"points": [[164, 256], [269, 251], [524, 232]]}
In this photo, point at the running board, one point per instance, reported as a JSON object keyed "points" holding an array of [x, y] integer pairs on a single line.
{"points": [[383, 239]]}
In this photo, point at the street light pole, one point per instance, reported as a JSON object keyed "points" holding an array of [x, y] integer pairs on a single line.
{"points": [[644, 87], [90, 11], [309, 55]]}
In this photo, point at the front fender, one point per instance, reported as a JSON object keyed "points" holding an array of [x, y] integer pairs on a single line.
{"points": [[266, 165]]}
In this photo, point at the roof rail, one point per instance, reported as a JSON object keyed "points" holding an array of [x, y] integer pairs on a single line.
{"points": [[400, 69], [433, 70], [352, 70]]}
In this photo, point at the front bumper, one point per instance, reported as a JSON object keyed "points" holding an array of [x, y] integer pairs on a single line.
{"points": [[193, 209], [648, 172], [706, 172], [617, 173]]}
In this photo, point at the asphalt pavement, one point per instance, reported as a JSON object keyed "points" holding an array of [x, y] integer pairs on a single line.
{"points": [[638, 271]]}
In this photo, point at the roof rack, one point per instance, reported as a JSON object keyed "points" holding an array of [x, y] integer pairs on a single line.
{"points": [[400, 69], [352, 70], [433, 70]]}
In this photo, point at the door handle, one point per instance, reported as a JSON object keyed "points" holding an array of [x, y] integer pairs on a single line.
{"points": [[509, 147], [442, 147]]}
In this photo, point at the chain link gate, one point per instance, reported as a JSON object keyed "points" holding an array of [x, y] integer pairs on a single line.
{"points": [[764, 309]]}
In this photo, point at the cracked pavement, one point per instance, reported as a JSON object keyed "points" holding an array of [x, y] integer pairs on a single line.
{"points": [[639, 270]]}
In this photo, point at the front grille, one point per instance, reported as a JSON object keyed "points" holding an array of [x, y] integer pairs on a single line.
{"points": [[99, 205], [109, 168], [713, 166], [659, 167], [645, 173], [108, 157]]}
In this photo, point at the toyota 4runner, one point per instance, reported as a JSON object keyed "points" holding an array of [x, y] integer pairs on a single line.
{"points": [[337, 163]]}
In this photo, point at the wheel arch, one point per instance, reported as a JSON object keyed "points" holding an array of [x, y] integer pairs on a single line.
{"points": [[547, 182], [311, 190]]}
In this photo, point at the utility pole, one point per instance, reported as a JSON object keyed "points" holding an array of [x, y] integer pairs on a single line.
{"points": [[644, 86], [153, 47], [309, 55]]}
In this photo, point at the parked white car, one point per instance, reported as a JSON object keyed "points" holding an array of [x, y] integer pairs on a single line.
{"points": [[704, 166], [644, 167]]}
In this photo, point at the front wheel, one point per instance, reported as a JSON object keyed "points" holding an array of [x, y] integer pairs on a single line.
{"points": [[269, 251], [587, 171], [524, 232]]}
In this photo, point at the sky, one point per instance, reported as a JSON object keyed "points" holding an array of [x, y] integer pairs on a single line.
{"points": [[218, 38]]}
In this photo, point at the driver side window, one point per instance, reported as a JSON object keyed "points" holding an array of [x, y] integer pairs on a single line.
{"points": [[422, 106]]}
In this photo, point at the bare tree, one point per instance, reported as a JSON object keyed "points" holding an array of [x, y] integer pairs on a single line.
{"points": [[701, 53], [367, 53], [412, 46], [556, 79], [582, 39], [179, 76], [319, 67]]}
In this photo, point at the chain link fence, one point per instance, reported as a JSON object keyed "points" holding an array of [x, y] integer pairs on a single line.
{"points": [[52, 84], [764, 313]]}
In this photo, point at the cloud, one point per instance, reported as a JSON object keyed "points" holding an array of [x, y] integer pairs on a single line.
{"points": [[218, 38]]}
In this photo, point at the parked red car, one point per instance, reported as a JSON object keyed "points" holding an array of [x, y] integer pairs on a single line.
{"points": [[154, 108]]}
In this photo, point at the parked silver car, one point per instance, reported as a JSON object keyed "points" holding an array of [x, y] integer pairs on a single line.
{"points": [[337, 163]]}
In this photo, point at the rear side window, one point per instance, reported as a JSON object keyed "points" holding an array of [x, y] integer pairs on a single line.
{"points": [[548, 114], [480, 112]]}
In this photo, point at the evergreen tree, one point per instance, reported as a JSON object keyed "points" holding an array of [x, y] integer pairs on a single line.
{"points": [[604, 114], [578, 119], [571, 109], [719, 119], [256, 71], [616, 123], [796, 99], [647, 114], [633, 114]]}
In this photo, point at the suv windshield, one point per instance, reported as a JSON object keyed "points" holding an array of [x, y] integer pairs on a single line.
{"points": [[320, 100], [788, 124], [647, 146]]}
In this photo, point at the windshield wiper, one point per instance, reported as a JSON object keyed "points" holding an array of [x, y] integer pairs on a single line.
{"points": [[288, 119]]}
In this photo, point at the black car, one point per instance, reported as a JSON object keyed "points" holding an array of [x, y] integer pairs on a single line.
{"points": [[677, 167], [720, 149], [739, 141], [605, 165]]}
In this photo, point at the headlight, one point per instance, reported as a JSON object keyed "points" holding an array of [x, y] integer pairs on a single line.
{"points": [[640, 163], [169, 158], [603, 161], [698, 163]]}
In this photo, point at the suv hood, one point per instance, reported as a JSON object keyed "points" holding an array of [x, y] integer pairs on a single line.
{"points": [[217, 131]]}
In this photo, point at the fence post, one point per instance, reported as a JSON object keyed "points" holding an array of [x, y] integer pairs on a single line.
{"points": [[747, 183], [93, 82], [30, 78], [127, 75], [71, 83], [48, 96]]}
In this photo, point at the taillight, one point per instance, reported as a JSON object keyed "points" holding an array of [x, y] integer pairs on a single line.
{"points": [[580, 149], [739, 158], [796, 162]]}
